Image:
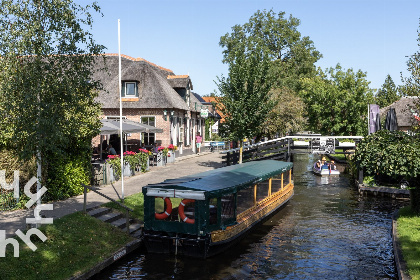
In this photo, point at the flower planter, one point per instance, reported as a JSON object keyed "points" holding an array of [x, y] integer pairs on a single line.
{"points": [[160, 159], [127, 170], [171, 157]]}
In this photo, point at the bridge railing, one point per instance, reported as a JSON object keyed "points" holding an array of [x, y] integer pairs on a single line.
{"points": [[282, 148]]}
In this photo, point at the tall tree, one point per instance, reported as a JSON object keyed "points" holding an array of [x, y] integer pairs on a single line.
{"points": [[288, 114], [411, 84], [337, 101], [47, 91], [245, 96], [388, 93], [292, 56]]}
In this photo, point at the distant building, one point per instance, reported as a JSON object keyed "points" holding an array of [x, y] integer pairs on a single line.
{"points": [[406, 109], [152, 95]]}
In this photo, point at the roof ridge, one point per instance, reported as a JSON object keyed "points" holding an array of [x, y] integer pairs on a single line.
{"points": [[139, 59], [177, 76]]}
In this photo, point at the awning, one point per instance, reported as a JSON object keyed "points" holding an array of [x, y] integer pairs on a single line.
{"points": [[113, 127]]}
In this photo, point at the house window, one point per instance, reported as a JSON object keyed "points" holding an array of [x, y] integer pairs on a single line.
{"points": [[149, 138], [129, 89]]}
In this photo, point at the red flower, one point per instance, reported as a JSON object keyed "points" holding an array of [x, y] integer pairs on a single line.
{"points": [[171, 147], [129, 153], [143, 151], [113, 156]]}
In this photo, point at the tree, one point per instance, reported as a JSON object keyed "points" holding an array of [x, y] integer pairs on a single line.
{"points": [[292, 56], [245, 98], [287, 116], [388, 93], [47, 93], [411, 84], [336, 101]]}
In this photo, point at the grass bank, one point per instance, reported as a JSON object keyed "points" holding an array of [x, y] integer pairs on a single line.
{"points": [[75, 244], [408, 229]]}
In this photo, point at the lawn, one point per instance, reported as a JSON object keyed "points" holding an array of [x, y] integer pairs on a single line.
{"points": [[408, 228], [75, 244]]}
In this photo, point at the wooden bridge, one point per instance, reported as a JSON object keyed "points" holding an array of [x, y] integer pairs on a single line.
{"points": [[283, 148]]}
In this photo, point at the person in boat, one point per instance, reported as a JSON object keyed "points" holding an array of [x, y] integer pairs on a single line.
{"points": [[324, 164], [332, 165], [318, 164]]}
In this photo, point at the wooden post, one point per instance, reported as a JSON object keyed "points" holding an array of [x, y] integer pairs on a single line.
{"points": [[255, 194], [290, 176], [282, 177], [361, 176], [84, 199], [269, 186]]}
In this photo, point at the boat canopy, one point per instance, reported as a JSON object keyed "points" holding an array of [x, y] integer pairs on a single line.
{"points": [[217, 182]]}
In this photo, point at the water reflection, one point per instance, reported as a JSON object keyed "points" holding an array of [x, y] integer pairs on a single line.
{"points": [[325, 232]]}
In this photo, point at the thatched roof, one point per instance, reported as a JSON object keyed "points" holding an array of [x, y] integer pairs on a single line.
{"points": [[153, 87], [402, 108], [180, 81]]}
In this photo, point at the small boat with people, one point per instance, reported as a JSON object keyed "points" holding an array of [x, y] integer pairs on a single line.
{"points": [[325, 168], [204, 214]]}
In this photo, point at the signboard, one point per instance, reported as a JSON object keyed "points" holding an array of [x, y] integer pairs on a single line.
{"points": [[204, 113], [323, 145]]}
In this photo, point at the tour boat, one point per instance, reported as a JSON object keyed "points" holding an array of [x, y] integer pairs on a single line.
{"points": [[324, 172], [203, 214]]}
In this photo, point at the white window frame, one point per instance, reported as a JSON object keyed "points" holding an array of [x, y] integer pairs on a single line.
{"points": [[124, 84]]}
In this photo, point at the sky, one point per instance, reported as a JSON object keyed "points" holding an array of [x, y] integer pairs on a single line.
{"points": [[375, 36]]}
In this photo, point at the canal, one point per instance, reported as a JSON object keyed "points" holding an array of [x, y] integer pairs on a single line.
{"points": [[326, 231]]}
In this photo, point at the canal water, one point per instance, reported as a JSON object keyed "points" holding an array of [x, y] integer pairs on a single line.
{"points": [[326, 231]]}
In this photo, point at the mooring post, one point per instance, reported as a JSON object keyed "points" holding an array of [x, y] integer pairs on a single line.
{"points": [[84, 198]]}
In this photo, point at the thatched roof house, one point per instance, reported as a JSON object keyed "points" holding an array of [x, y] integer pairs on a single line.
{"points": [[153, 95], [404, 109]]}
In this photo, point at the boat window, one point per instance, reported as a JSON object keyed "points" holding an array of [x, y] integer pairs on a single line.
{"points": [[262, 190], [245, 200], [276, 183], [228, 206], [286, 177], [213, 211], [168, 205]]}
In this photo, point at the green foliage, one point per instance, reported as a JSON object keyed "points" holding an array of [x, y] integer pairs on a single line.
{"points": [[115, 162], [66, 174], [291, 56], [393, 154], [336, 101], [287, 116], [387, 94], [48, 102], [245, 95], [411, 84]]}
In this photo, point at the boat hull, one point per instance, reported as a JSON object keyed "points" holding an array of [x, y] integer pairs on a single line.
{"points": [[220, 240], [325, 172]]}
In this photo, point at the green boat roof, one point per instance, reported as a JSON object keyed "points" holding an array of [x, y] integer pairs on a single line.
{"points": [[226, 179]]}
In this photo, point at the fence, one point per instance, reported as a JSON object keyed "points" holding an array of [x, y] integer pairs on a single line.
{"points": [[283, 148], [274, 149]]}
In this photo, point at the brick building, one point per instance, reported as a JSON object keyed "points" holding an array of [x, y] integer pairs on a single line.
{"points": [[152, 95]]}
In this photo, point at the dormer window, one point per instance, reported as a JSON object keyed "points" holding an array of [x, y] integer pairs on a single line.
{"points": [[129, 89]]}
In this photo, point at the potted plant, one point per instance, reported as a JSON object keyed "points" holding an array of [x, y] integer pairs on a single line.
{"points": [[161, 156], [171, 153], [144, 159], [113, 168], [131, 161]]}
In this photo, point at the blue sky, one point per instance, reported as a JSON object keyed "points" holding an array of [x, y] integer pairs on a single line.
{"points": [[374, 36]]}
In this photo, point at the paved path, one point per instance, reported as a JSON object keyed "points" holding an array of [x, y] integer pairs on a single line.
{"points": [[11, 221]]}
